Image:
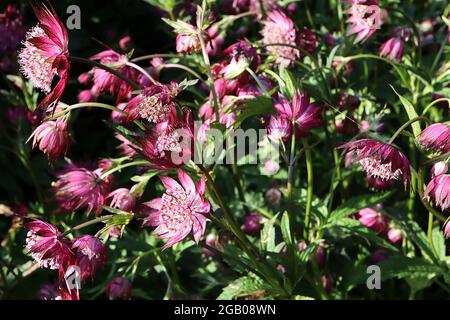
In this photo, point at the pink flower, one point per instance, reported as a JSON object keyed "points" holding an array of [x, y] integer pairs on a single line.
{"points": [[45, 55], [104, 81], [439, 168], [439, 191], [180, 210], [78, 187], [348, 102], [52, 137], [126, 147], [379, 160], [252, 224], [251, 89], [436, 137], [279, 29], [373, 220], [119, 288], [45, 245], [154, 104], [447, 230], [125, 43], [365, 17], [239, 56], [392, 49], [123, 199], [169, 144], [11, 29], [327, 283], [306, 116], [86, 96], [271, 166], [273, 196], [188, 43], [90, 255], [279, 128], [306, 40], [395, 235]]}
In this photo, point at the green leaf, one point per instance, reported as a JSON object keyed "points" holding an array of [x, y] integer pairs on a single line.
{"points": [[289, 86], [415, 233], [286, 229], [268, 235], [438, 243], [354, 204], [403, 267], [258, 106], [243, 287], [411, 111]]}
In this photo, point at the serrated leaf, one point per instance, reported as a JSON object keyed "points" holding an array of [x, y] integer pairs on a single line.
{"points": [[241, 287], [438, 243], [403, 267]]}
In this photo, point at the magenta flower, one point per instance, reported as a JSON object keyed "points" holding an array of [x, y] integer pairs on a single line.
{"points": [[119, 288], [395, 235], [279, 128], [45, 245], [252, 224], [373, 220], [306, 40], [447, 230], [104, 81], [123, 199], [48, 291], [306, 116], [52, 137], [78, 187], [11, 29], [378, 256], [436, 137], [379, 160], [154, 104], [239, 56], [365, 17], [180, 210], [45, 55], [438, 189], [279, 29], [392, 49], [126, 147], [90, 255], [169, 144]]}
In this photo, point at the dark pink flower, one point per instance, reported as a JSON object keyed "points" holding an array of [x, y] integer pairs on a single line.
{"points": [[52, 137], [395, 235], [239, 56], [365, 17], [436, 137], [373, 219], [330, 40], [45, 55], [378, 256], [154, 104], [90, 255], [279, 29], [379, 160], [348, 102], [78, 187], [45, 245], [105, 81], [439, 191], [119, 288], [86, 96], [12, 31], [327, 283], [392, 49], [305, 115], [252, 224], [123, 199], [180, 210], [306, 40], [48, 291]]}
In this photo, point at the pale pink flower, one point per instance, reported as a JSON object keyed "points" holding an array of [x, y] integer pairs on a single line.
{"points": [[180, 210], [365, 17], [395, 235], [439, 191], [439, 168], [90, 255], [373, 219], [392, 49], [123, 199]]}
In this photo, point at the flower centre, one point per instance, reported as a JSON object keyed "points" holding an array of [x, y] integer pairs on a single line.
{"points": [[375, 168], [152, 109]]}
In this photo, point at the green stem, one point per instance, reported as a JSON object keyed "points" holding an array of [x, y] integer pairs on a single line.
{"points": [[428, 107], [290, 183], [122, 166], [258, 82], [142, 70], [309, 196], [405, 125], [430, 228], [85, 224]]}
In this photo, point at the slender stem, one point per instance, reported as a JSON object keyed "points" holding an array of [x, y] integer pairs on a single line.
{"points": [[155, 55], [290, 182], [86, 224], [180, 66], [258, 82], [430, 228], [428, 107], [308, 14], [405, 125], [142, 70], [122, 166], [106, 68], [309, 196]]}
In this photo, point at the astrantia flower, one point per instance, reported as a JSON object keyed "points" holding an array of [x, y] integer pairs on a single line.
{"points": [[180, 210], [105, 81], [188, 43], [119, 288], [305, 115], [436, 137], [45, 55], [123, 199], [439, 168], [90, 255], [379, 160], [373, 219], [392, 49], [365, 18], [240, 55], [169, 144], [52, 137], [48, 291], [279, 128], [395, 235], [252, 224], [78, 187], [279, 29], [306, 40], [155, 103], [447, 230], [438, 189], [11, 29], [45, 245]]}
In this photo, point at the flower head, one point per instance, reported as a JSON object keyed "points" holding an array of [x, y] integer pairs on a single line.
{"points": [[365, 17], [392, 49], [439, 191], [439, 168], [90, 254], [52, 137], [188, 43], [252, 224], [123, 199], [45, 245], [240, 55], [180, 210], [78, 187], [447, 230], [436, 137], [395, 235], [379, 160], [45, 55], [373, 219], [119, 288]]}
